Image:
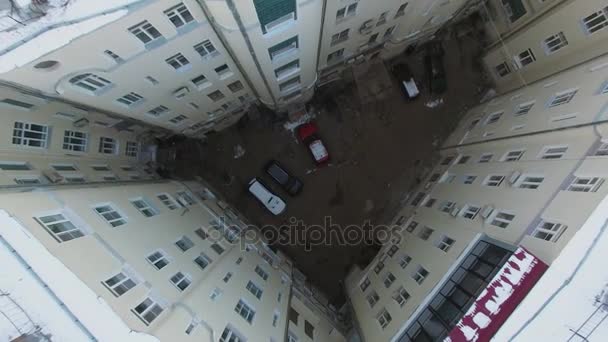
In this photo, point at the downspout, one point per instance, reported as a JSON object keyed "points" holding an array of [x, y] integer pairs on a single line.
{"points": [[321, 35], [220, 35], [355, 319]]}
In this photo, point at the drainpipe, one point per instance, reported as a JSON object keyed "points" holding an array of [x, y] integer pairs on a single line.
{"points": [[321, 34], [355, 319], [222, 38]]}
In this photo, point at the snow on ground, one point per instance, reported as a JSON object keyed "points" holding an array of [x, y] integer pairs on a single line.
{"points": [[93, 312], [434, 103], [25, 43], [566, 294]]}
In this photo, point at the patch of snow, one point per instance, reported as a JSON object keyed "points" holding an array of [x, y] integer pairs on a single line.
{"points": [[239, 151], [292, 125], [434, 103], [90, 310], [59, 26]]}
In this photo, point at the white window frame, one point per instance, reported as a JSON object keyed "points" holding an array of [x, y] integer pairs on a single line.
{"points": [[485, 158], [67, 229], [494, 180], [158, 259], [179, 15], [404, 261], [110, 214], [22, 129], [119, 284], [152, 309], [144, 207], [203, 261], [501, 218], [554, 43], [553, 152], [261, 272], [401, 296], [523, 108], [513, 155], [178, 62], [470, 211], [549, 231], [494, 117], [585, 184], [468, 179], [525, 181], [420, 274], [76, 141], [246, 311], [108, 145], [184, 243], [346, 12], [388, 279], [168, 201], [91, 83], [372, 298], [145, 33], [602, 15], [206, 49], [562, 97], [364, 284], [524, 58], [602, 149], [132, 149], [255, 290], [130, 100], [181, 280], [384, 318], [444, 243]]}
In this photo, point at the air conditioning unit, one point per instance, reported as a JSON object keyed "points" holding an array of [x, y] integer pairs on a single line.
{"points": [[52, 176], [514, 177], [455, 211], [181, 92], [367, 27], [82, 122], [486, 211]]}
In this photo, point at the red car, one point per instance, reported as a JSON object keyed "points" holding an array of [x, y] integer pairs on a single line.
{"points": [[308, 135]]}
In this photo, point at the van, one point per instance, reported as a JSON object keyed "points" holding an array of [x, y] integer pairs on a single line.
{"points": [[272, 202]]}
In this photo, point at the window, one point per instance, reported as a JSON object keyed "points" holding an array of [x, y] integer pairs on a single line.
{"points": [[223, 71], [260, 271], [119, 284], [216, 95], [293, 316], [494, 180], [425, 233], [382, 19], [513, 155], [447, 178], [502, 69], [17, 104], [418, 198], [145, 32], [184, 243], [74, 179], [245, 311], [339, 37], [148, 310], [287, 69], [179, 15], [235, 86], [523, 108], [502, 219], [64, 167], [254, 289], [463, 159], [554, 43], [201, 82], [404, 261], [273, 13], [111, 215], [388, 280], [562, 98], [217, 248], [494, 117], [290, 84], [181, 281], [595, 21], [131, 149], [530, 182], [14, 166], [206, 49], [158, 259], [116, 58], [215, 294], [336, 55], [470, 211], [144, 207], [444, 243], [549, 231], [75, 141], [401, 10], [107, 145], [468, 179], [231, 335], [372, 298], [91, 83], [379, 267], [202, 261], [131, 99], [401, 296], [60, 227], [177, 61], [486, 157], [553, 152], [447, 160], [391, 251], [177, 119], [515, 9], [168, 201], [27, 180], [586, 184], [30, 134], [309, 329], [430, 202], [151, 80], [384, 318], [283, 48], [412, 226], [447, 206], [346, 12], [602, 150], [157, 111], [420, 274], [524, 58], [185, 198], [364, 284]]}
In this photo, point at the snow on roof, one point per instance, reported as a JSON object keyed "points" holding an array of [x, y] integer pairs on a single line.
{"points": [[60, 25], [569, 292], [36, 300]]}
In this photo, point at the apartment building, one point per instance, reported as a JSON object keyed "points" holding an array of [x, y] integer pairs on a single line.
{"points": [[536, 39], [522, 172]]}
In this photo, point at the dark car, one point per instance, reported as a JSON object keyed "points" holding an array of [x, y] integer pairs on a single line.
{"points": [[434, 68], [404, 76], [277, 172]]}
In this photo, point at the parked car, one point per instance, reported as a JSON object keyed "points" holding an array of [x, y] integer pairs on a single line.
{"points": [[406, 80], [308, 134], [435, 70], [272, 202], [277, 172]]}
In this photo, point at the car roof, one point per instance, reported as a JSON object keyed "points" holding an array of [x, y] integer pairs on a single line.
{"points": [[307, 129]]}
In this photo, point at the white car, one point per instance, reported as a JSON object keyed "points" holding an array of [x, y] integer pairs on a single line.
{"points": [[272, 202]]}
